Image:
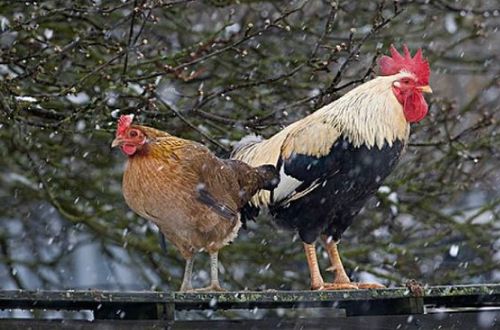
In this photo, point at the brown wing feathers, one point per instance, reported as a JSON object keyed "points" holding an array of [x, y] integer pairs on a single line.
{"points": [[223, 185]]}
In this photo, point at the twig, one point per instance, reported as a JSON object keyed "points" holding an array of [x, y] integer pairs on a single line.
{"points": [[135, 9], [187, 122]]}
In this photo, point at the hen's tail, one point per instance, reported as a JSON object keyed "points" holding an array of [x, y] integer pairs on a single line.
{"points": [[252, 179], [269, 175], [268, 178]]}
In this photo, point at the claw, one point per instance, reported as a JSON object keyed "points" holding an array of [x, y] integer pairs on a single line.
{"points": [[210, 288], [366, 286], [336, 286], [186, 289]]}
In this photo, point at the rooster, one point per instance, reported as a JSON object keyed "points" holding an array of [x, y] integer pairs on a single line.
{"points": [[331, 161], [193, 197]]}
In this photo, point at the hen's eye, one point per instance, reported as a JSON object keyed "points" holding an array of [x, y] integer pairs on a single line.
{"points": [[133, 134]]}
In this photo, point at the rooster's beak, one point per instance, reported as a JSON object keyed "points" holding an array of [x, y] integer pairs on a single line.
{"points": [[426, 89], [116, 142]]}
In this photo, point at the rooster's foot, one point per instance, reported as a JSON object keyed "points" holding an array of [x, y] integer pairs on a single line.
{"points": [[365, 286], [336, 286]]}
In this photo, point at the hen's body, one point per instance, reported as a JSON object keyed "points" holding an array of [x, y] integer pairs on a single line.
{"points": [[177, 178], [190, 194]]}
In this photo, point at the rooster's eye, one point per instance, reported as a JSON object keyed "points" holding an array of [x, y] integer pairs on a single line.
{"points": [[132, 134]]}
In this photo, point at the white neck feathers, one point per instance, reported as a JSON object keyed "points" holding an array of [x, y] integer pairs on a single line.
{"points": [[369, 114]]}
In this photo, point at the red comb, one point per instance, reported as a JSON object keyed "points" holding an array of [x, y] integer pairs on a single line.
{"points": [[397, 63], [124, 123]]}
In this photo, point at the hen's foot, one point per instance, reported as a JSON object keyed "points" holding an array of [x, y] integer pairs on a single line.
{"points": [[186, 289], [211, 288]]}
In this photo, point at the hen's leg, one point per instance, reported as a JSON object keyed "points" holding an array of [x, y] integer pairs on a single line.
{"points": [[340, 276], [188, 272], [163, 242], [317, 282], [214, 274]]}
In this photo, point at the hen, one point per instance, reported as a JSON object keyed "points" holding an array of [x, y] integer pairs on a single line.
{"points": [[193, 197]]}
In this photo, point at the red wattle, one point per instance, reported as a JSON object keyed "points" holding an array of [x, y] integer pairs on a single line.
{"points": [[415, 108], [129, 149]]}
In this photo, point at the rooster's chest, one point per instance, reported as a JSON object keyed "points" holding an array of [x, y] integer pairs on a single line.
{"points": [[330, 190]]}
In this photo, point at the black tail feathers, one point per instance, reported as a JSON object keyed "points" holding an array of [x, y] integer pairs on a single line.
{"points": [[270, 175]]}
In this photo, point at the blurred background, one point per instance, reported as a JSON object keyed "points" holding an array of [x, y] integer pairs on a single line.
{"points": [[215, 71]]}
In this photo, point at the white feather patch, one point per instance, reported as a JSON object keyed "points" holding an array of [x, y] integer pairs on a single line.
{"points": [[286, 187], [300, 194], [245, 142]]}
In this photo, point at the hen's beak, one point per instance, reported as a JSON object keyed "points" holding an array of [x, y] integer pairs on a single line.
{"points": [[425, 89], [116, 142]]}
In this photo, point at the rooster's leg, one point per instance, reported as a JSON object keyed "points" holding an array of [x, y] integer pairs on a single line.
{"points": [[340, 276], [188, 271], [317, 282], [214, 274]]}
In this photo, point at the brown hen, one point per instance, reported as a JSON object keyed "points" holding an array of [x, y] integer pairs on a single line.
{"points": [[193, 197]]}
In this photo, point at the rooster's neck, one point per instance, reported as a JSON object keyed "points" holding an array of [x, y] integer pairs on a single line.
{"points": [[369, 114]]}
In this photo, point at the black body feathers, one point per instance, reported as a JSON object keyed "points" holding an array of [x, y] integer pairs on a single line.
{"points": [[334, 187]]}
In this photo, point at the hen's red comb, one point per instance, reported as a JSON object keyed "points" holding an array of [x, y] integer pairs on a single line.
{"points": [[397, 63], [124, 123]]}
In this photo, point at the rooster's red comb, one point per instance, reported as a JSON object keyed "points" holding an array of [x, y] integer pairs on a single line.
{"points": [[124, 123], [389, 65]]}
